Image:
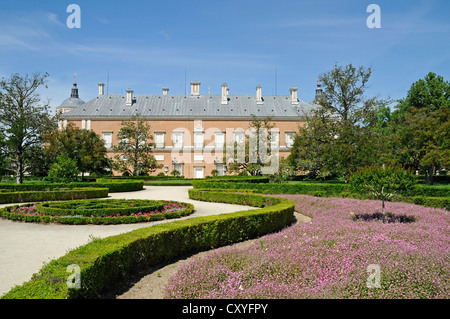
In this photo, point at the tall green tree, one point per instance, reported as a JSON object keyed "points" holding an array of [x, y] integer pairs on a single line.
{"points": [[420, 126], [133, 153], [23, 117], [339, 135]]}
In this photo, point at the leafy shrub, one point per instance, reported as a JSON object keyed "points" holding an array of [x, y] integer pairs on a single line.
{"points": [[64, 170], [382, 182]]}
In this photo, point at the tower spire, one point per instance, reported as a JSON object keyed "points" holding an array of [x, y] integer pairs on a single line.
{"points": [[319, 91], [74, 93]]}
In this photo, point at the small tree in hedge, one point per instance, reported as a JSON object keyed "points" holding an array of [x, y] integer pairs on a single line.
{"points": [[382, 182], [64, 170]]}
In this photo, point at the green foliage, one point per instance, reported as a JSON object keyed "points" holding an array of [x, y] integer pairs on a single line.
{"points": [[338, 136], [420, 126], [85, 147], [382, 182], [64, 170], [175, 173], [134, 156], [23, 119], [104, 262], [57, 194], [120, 186]]}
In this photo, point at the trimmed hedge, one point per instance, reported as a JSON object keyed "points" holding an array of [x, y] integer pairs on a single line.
{"points": [[325, 189], [99, 208], [122, 186], [297, 188], [104, 262], [54, 195], [97, 220]]}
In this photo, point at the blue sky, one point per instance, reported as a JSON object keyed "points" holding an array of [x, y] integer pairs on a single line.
{"points": [[146, 45]]}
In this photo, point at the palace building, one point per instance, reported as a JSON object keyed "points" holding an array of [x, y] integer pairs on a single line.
{"points": [[189, 131]]}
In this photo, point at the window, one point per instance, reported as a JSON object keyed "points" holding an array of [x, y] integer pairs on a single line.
{"points": [[178, 167], [274, 139], [239, 137], [199, 172], [199, 140], [219, 140], [159, 157], [220, 168], [107, 137], [159, 139], [290, 136], [177, 139]]}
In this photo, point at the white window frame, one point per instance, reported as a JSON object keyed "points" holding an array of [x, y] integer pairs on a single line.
{"points": [[177, 138], [158, 137], [290, 137], [110, 135]]}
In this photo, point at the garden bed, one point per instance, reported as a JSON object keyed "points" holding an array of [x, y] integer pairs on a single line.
{"points": [[330, 257], [108, 211]]}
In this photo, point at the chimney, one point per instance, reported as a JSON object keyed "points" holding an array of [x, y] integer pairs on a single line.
{"points": [[259, 99], [165, 90], [195, 88], [294, 99], [129, 97], [224, 93], [101, 88]]}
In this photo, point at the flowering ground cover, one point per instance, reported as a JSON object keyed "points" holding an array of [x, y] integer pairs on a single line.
{"points": [[335, 256]]}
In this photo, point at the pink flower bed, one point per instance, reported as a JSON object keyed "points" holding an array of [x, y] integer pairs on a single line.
{"points": [[329, 257]]}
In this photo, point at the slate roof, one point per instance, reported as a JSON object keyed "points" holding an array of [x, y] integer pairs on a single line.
{"points": [[188, 107]]}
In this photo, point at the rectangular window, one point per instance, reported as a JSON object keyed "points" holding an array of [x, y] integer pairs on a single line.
{"points": [[199, 140], [107, 137], [219, 140], [159, 140], [178, 167], [290, 136], [178, 139]]}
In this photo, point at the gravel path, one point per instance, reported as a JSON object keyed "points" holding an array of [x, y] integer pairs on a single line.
{"points": [[25, 247]]}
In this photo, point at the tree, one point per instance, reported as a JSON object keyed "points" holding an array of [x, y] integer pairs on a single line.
{"points": [[134, 149], [382, 182], [84, 146], [3, 157], [250, 156], [420, 126], [22, 118], [63, 170], [338, 136]]}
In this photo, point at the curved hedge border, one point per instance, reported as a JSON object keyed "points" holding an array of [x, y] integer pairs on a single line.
{"points": [[37, 196], [106, 261], [99, 207], [50, 216]]}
